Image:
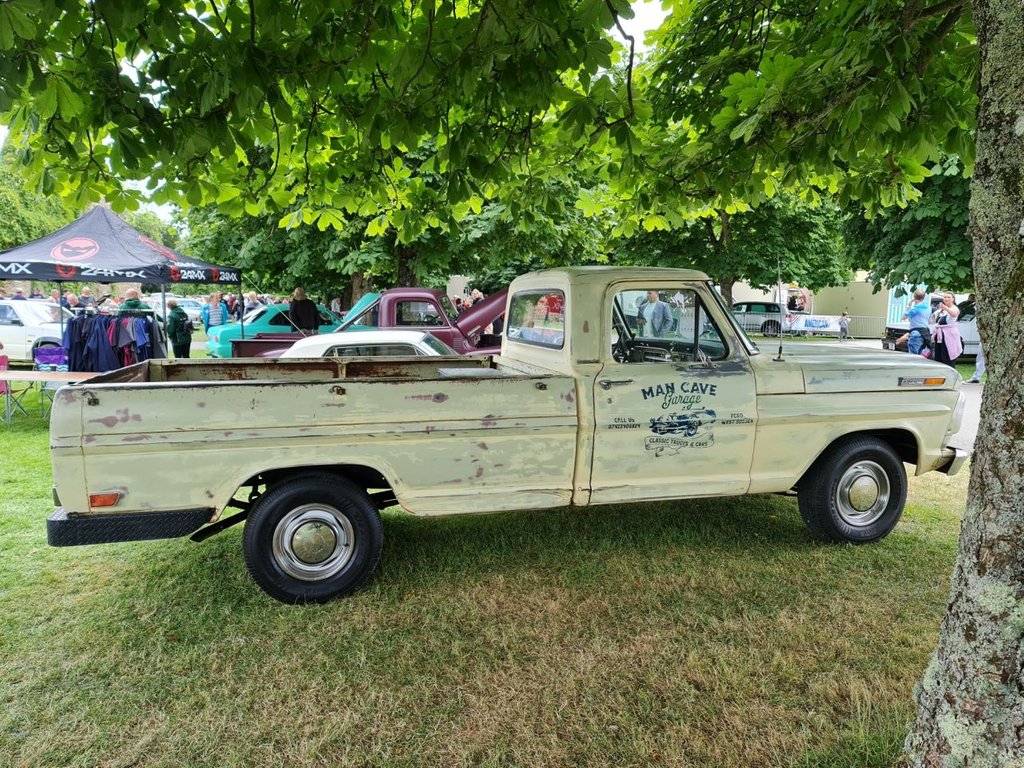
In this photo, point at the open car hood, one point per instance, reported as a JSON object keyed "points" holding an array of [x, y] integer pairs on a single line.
{"points": [[479, 316]]}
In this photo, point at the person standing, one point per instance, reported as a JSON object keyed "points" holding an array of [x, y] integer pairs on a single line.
{"points": [[336, 305], [252, 302], [86, 299], [948, 344], [179, 330], [920, 335], [132, 304], [214, 312], [654, 316], [844, 327], [979, 366], [19, 295], [303, 314]]}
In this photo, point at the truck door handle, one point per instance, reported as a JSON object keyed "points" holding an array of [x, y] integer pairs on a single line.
{"points": [[608, 383]]}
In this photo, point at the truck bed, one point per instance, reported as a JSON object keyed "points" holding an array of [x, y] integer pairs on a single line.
{"points": [[181, 435]]}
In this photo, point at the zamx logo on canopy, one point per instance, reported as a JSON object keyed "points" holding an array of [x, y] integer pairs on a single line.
{"points": [[75, 249], [16, 268]]}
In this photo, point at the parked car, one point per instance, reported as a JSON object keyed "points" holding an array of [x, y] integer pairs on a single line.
{"points": [[430, 310], [967, 323], [27, 325], [420, 309], [192, 307], [368, 344], [765, 317], [272, 318]]}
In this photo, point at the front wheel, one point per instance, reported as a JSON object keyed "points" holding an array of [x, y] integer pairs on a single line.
{"points": [[855, 491], [312, 538]]}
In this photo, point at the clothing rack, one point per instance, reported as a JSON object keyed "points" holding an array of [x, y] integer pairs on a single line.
{"points": [[100, 343]]}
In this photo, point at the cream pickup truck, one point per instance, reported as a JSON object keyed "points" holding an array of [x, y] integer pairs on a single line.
{"points": [[614, 385]]}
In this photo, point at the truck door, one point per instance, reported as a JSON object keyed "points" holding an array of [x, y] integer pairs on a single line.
{"points": [[674, 402]]}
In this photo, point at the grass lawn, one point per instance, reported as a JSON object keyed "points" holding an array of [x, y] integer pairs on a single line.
{"points": [[702, 633]]}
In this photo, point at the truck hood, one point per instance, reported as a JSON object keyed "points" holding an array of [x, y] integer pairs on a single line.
{"points": [[481, 315], [815, 368]]}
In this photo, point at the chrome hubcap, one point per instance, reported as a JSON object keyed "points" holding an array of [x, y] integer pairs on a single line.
{"points": [[313, 542], [862, 494]]}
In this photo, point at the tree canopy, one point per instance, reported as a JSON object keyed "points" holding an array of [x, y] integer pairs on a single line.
{"points": [[924, 243], [308, 110]]}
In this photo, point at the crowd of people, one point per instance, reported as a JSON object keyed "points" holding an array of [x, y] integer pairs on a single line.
{"points": [[933, 331]]}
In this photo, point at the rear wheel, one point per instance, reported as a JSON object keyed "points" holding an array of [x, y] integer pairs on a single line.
{"points": [[312, 538], [855, 492]]}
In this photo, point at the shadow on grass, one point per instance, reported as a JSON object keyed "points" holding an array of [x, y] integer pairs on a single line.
{"points": [[567, 546]]}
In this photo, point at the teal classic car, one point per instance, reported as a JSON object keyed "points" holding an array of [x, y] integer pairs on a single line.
{"points": [[272, 318]]}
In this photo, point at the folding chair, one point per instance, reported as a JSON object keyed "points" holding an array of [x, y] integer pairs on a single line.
{"points": [[12, 393], [49, 359]]}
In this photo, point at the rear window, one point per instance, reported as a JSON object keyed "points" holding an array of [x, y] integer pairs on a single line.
{"points": [[537, 318]]}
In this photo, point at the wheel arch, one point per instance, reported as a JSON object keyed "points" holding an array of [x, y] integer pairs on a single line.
{"points": [[903, 441], [364, 475]]}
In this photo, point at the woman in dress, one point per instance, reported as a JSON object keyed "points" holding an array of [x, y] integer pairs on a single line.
{"points": [[948, 345]]}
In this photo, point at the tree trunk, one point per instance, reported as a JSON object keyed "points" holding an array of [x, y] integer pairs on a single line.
{"points": [[971, 700], [725, 285], [406, 257], [360, 284]]}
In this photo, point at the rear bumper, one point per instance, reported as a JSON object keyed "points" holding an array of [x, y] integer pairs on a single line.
{"points": [[64, 530], [954, 463]]}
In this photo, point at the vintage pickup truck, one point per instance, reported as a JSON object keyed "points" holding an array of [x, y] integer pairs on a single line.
{"points": [[582, 407]]}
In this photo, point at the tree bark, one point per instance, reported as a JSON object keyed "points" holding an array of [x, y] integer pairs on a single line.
{"points": [[406, 257], [971, 700], [725, 285], [360, 284]]}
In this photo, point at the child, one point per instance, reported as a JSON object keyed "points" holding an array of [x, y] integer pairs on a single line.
{"points": [[844, 327]]}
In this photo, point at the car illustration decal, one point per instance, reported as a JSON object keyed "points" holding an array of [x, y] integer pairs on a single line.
{"points": [[684, 429]]}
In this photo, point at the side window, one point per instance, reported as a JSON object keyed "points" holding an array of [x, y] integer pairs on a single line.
{"points": [[7, 315], [538, 318], [664, 325], [326, 319], [281, 318], [373, 350], [418, 313]]}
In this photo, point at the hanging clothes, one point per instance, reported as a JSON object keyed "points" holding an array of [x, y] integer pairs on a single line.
{"points": [[103, 343]]}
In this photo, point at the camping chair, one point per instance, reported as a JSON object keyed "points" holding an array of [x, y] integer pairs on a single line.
{"points": [[49, 359], [12, 393]]}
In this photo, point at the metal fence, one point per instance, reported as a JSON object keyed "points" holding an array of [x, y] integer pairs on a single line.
{"points": [[861, 327]]}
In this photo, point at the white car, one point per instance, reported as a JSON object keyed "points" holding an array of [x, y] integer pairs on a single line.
{"points": [[27, 325], [370, 344], [192, 307]]}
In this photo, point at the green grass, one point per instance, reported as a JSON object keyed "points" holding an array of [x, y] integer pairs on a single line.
{"points": [[703, 633]]}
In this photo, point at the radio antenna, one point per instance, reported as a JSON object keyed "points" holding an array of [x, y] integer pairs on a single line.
{"points": [[783, 304]]}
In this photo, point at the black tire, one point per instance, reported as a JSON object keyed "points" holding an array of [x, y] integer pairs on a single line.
{"points": [[328, 519], [771, 328], [855, 492]]}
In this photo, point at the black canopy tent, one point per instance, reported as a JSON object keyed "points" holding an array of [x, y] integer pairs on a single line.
{"points": [[101, 247]]}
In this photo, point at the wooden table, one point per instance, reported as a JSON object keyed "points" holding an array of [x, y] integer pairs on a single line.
{"points": [[33, 377]]}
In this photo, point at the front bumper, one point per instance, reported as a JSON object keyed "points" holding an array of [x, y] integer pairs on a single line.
{"points": [[64, 530]]}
